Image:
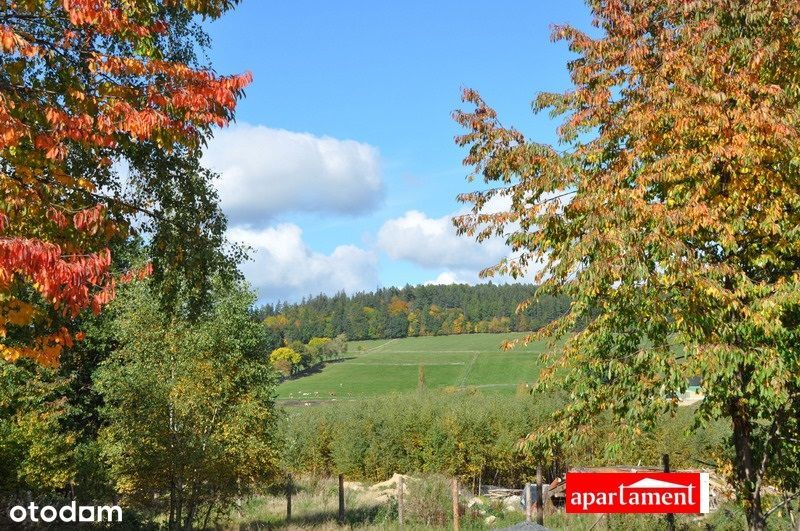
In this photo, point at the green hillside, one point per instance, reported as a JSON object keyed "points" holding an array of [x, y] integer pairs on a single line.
{"points": [[376, 367]]}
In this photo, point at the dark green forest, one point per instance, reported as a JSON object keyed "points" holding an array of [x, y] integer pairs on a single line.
{"points": [[414, 311]]}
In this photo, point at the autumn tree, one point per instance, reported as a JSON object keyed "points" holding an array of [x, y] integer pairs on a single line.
{"points": [[397, 322], [317, 350], [669, 215], [188, 407], [285, 359], [103, 111]]}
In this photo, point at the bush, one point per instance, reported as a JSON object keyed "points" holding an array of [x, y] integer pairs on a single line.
{"points": [[471, 436], [188, 412]]}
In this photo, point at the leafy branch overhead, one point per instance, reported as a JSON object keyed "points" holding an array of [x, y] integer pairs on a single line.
{"points": [[103, 110], [669, 215]]}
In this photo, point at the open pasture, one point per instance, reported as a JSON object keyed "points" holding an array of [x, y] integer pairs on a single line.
{"points": [[377, 367]]}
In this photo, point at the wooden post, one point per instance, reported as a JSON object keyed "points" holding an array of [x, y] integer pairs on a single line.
{"points": [[289, 498], [670, 516], [400, 489], [456, 509], [539, 503], [341, 498], [528, 503], [238, 500]]}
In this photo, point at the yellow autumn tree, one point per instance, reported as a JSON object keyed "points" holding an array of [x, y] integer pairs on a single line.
{"points": [[284, 359], [669, 215]]}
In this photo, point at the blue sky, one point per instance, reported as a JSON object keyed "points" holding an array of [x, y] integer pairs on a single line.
{"points": [[341, 171]]}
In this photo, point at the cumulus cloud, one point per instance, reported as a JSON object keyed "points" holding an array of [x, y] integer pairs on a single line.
{"points": [[283, 267], [433, 242], [264, 172], [455, 277]]}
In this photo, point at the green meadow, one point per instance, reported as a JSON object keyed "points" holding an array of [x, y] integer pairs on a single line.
{"points": [[378, 367]]}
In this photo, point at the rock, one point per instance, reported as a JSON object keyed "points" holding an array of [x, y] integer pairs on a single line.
{"points": [[490, 520], [391, 483], [474, 501], [511, 503], [382, 498], [354, 485]]}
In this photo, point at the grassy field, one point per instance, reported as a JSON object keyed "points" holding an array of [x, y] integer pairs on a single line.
{"points": [[377, 367]]}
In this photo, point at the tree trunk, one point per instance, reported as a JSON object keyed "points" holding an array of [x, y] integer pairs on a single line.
{"points": [[208, 511], [171, 524], [745, 470], [179, 505], [191, 508]]}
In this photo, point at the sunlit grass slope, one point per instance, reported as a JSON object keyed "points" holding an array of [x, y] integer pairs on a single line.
{"points": [[376, 367]]}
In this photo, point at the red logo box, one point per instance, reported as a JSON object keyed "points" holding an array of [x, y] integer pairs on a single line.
{"points": [[637, 492]]}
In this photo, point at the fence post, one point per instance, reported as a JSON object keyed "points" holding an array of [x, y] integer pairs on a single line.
{"points": [[526, 497], [238, 498], [670, 516], [456, 510], [400, 489], [341, 498], [539, 502], [288, 497]]}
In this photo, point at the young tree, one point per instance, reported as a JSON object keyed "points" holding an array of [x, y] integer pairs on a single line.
{"points": [[103, 110], [284, 359], [669, 217], [318, 350], [337, 346], [35, 449], [189, 409]]}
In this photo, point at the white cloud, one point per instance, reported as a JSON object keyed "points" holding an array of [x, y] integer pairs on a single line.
{"points": [[455, 277], [267, 171], [283, 267], [433, 242], [472, 277]]}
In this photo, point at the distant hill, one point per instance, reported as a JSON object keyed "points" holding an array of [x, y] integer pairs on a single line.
{"points": [[413, 311]]}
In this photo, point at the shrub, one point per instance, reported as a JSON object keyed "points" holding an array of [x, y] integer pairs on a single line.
{"points": [[474, 437], [284, 359]]}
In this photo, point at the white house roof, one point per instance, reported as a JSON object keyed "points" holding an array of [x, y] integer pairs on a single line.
{"points": [[650, 483]]}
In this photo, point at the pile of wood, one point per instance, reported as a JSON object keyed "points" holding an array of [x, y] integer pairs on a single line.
{"points": [[498, 493]]}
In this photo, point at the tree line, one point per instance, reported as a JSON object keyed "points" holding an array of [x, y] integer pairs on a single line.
{"points": [[424, 310]]}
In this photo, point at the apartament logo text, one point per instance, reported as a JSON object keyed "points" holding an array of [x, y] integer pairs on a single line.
{"points": [[637, 492]]}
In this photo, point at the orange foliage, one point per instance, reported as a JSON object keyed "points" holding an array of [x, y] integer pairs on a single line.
{"points": [[55, 229]]}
